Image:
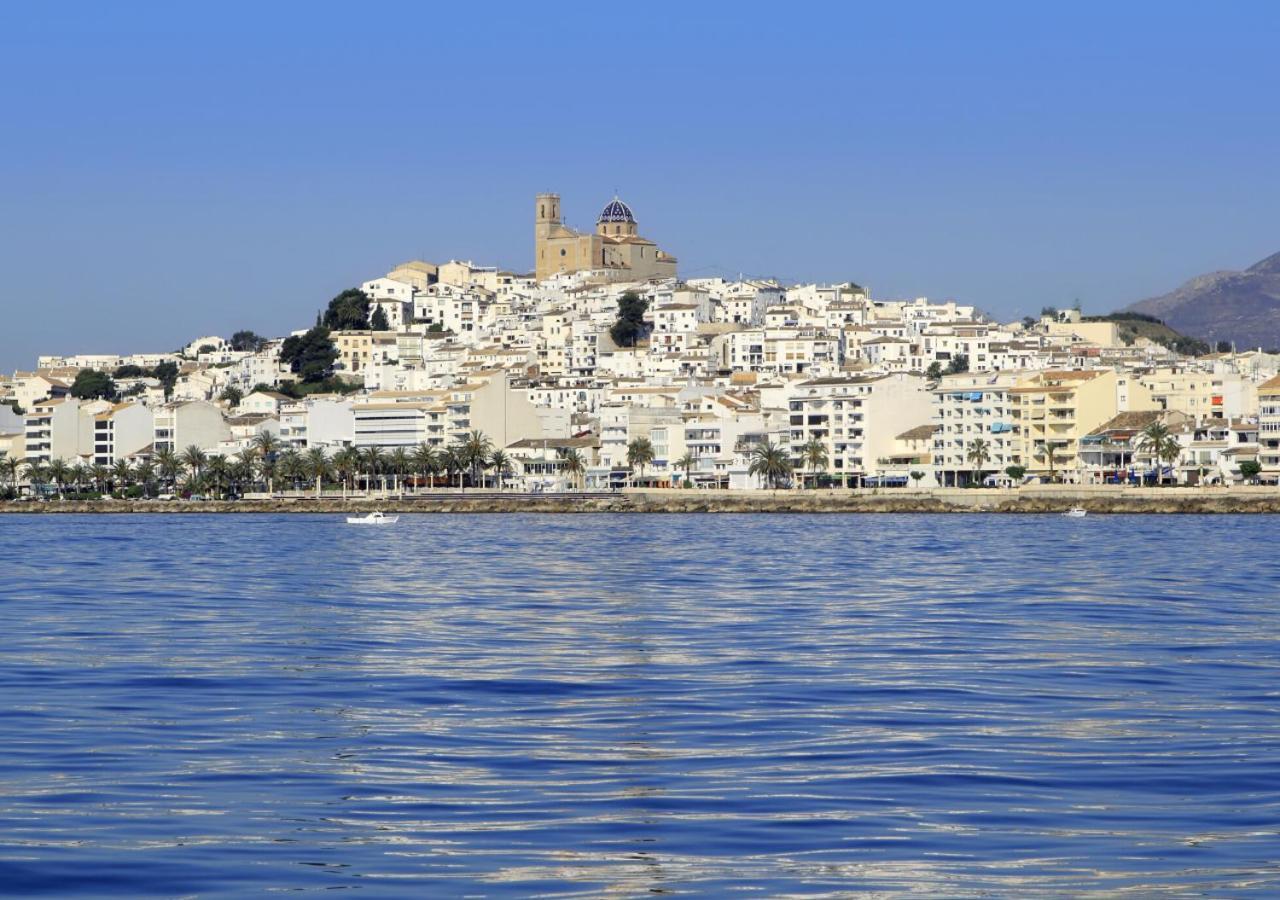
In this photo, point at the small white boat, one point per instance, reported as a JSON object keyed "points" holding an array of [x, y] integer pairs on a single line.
{"points": [[373, 518], [1076, 512]]}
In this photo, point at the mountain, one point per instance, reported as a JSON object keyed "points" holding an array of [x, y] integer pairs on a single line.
{"points": [[1243, 307]]}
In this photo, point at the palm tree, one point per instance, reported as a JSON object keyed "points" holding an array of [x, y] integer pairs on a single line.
{"points": [[501, 465], [316, 465], [1156, 440], [291, 467], [267, 445], [120, 475], [475, 453], [573, 463], [770, 462], [240, 472], [814, 454], [194, 459], [687, 464], [425, 461], [170, 467], [99, 474], [979, 454], [639, 454], [217, 473], [454, 461], [10, 467], [346, 462], [374, 462], [145, 473], [400, 464], [79, 475], [58, 473], [37, 472]]}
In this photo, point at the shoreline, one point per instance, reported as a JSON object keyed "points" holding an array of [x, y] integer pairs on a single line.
{"points": [[1040, 499]]}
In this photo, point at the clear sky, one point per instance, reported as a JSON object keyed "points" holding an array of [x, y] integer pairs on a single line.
{"points": [[171, 170]]}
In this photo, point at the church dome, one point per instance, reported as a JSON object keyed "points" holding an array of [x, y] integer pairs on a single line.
{"points": [[616, 211]]}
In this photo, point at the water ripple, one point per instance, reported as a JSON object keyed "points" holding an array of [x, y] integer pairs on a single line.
{"points": [[579, 705]]}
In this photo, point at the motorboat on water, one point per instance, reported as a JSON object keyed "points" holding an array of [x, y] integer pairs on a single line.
{"points": [[1076, 512], [373, 518]]}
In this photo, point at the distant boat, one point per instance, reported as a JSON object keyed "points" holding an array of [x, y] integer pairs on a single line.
{"points": [[373, 518], [1076, 512]]}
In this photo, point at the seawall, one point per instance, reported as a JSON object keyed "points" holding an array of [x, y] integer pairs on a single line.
{"points": [[1033, 499]]}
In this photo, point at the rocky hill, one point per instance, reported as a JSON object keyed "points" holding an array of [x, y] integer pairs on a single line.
{"points": [[1243, 307]]}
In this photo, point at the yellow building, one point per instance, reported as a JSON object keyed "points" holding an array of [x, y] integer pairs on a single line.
{"points": [[1052, 410], [1269, 429], [615, 248]]}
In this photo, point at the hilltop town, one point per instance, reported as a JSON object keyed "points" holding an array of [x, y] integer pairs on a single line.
{"points": [[603, 368]]}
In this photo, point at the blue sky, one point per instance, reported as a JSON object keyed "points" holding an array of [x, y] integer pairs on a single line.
{"points": [[172, 170]]}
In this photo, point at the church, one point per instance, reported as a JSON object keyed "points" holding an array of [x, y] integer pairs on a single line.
{"points": [[614, 250]]}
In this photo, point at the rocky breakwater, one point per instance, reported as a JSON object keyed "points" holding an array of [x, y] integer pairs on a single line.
{"points": [[1036, 499]]}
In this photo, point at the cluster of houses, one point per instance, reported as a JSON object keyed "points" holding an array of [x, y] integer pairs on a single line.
{"points": [[895, 392]]}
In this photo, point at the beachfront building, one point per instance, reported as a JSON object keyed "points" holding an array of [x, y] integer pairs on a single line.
{"points": [[973, 407], [190, 423], [1052, 411], [1269, 429], [121, 432], [55, 430], [857, 419]]}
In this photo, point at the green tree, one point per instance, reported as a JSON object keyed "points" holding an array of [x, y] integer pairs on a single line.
{"points": [[247, 342], [934, 372], [979, 454], [317, 467], [145, 475], [1016, 473], [217, 474], [91, 384], [630, 325], [346, 463], [959, 364], [378, 321], [399, 463], [686, 464], [10, 467], [770, 462], [231, 395], [573, 464], [639, 454], [167, 374], [58, 472], [916, 476], [170, 467], [121, 472], [1157, 442], [501, 465], [194, 459], [311, 355], [349, 311], [374, 463], [266, 447], [814, 454], [1250, 469], [475, 453], [426, 462], [129, 371], [452, 462], [291, 467]]}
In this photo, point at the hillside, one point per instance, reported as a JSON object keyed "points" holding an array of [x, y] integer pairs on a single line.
{"points": [[1243, 307], [1134, 325]]}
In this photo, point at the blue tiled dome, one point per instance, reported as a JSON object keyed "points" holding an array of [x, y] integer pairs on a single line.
{"points": [[616, 211]]}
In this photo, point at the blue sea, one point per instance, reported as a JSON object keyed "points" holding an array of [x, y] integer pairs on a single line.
{"points": [[588, 705]]}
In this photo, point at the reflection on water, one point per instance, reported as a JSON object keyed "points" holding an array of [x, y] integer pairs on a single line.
{"points": [[577, 705]]}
